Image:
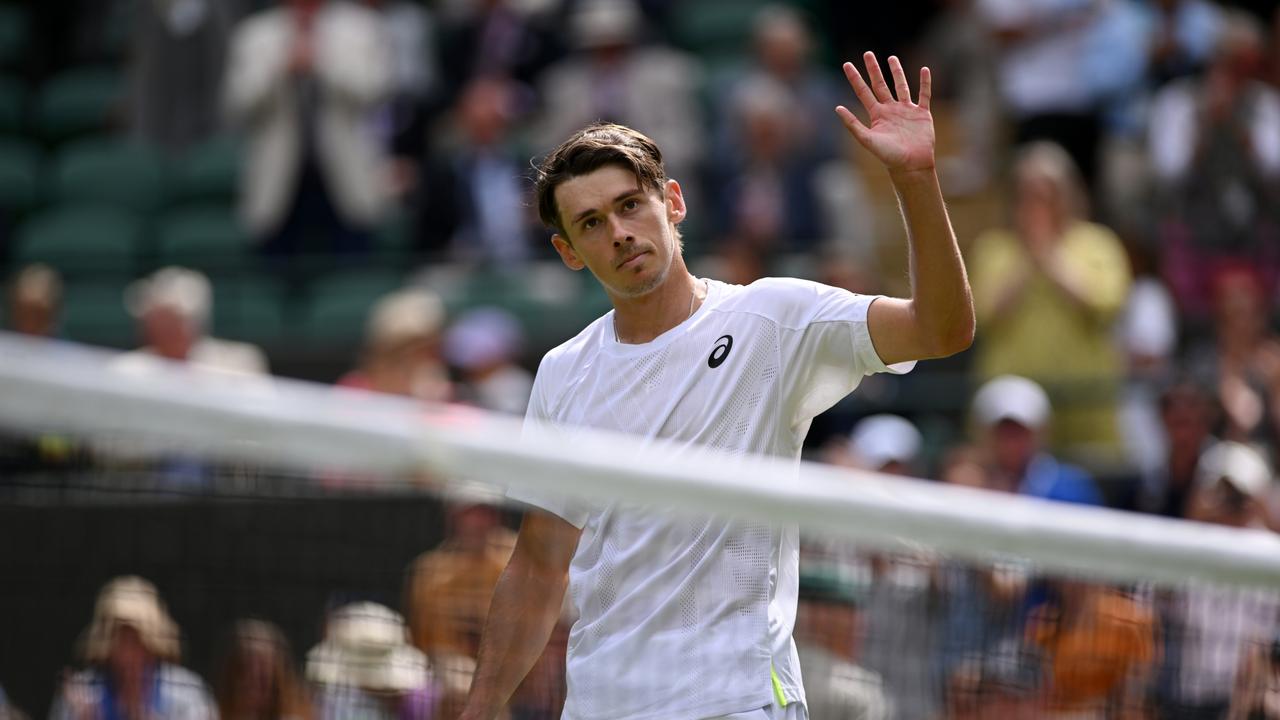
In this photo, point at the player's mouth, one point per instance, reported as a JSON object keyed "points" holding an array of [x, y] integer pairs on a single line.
{"points": [[631, 261]]}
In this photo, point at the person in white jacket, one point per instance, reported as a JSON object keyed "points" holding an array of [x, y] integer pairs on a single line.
{"points": [[303, 82]]}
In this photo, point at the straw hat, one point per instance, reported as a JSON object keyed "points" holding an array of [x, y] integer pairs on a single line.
{"points": [[366, 647], [133, 602]]}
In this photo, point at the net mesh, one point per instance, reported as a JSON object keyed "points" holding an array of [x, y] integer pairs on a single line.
{"points": [[356, 539]]}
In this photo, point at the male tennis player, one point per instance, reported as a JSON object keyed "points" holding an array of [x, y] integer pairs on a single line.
{"points": [[681, 619]]}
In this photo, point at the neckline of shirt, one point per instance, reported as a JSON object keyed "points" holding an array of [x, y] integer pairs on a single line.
{"points": [[613, 347]]}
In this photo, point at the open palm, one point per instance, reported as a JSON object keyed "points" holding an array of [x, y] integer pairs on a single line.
{"points": [[901, 131]]}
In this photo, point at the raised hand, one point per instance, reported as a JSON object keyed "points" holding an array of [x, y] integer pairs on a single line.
{"points": [[901, 132]]}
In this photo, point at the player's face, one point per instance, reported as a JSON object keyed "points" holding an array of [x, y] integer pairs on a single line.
{"points": [[621, 231]]}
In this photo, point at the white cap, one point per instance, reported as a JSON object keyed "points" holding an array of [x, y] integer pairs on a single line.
{"points": [[186, 291], [1010, 397], [404, 315], [1236, 463], [366, 647], [878, 440]]}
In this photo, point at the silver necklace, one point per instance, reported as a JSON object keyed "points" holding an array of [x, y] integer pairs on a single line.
{"points": [[693, 296]]}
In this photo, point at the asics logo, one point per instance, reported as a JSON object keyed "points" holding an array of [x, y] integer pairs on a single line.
{"points": [[724, 344]]}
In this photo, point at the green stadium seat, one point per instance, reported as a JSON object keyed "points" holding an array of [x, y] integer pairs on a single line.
{"points": [[109, 170], [206, 237], [249, 308], [716, 28], [93, 312], [81, 239], [76, 102], [394, 236], [209, 171], [339, 303], [13, 105], [20, 163], [14, 34]]}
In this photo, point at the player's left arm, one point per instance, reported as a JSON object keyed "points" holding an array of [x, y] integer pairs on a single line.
{"points": [[938, 319]]}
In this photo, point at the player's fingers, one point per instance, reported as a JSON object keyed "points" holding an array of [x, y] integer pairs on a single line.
{"points": [[852, 122], [900, 85], [859, 86], [878, 85], [926, 87]]}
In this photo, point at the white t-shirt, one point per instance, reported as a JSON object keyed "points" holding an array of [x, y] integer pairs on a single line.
{"points": [[680, 618]]}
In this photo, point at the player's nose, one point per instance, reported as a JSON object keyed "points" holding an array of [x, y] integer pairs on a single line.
{"points": [[618, 232]]}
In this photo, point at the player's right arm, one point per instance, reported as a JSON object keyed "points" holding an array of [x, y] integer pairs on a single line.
{"points": [[524, 610]]}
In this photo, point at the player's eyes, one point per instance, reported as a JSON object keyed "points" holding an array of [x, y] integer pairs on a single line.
{"points": [[631, 204], [589, 223]]}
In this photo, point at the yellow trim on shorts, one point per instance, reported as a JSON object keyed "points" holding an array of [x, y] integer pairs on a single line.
{"points": [[777, 687]]}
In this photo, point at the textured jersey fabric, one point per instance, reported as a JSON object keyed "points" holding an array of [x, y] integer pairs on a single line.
{"points": [[683, 618]]}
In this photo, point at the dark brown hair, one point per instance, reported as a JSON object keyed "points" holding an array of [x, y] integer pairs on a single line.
{"points": [[288, 697], [588, 150]]}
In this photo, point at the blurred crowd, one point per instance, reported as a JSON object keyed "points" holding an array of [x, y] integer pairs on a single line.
{"points": [[1113, 172]]}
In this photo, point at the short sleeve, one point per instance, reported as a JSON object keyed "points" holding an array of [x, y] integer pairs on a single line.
{"points": [[539, 427], [826, 355]]}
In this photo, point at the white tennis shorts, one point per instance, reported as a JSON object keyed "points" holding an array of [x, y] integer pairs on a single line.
{"points": [[793, 711]]}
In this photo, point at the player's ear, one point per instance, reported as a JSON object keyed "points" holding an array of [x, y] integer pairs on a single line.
{"points": [[675, 202], [567, 253]]}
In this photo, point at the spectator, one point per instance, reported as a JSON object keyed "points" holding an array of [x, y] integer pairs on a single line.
{"points": [[1013, 415], [1046, 293], [303, 80], [173, 308], [1214, 144], [483, 345], [1187, 415], [35, 301], [613, 78], [365, 668], [132, 650], [474, 202], [1242, 361], [448, 588], [258, 680], [1257, 694], [1182, 37], [828, 625], [1213, 629], [782, 56], [1147, 333], [1098, 647], [401, 354], [1042, 77], [886, 443], [179, 52], [765, 195], [513, 39]]}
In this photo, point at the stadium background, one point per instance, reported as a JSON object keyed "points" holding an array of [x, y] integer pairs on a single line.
{"points": [[119, 156]]}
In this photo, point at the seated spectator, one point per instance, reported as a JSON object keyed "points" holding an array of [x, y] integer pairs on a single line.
{"points": [[448, 588], [828, 625], [1013, 415], [765, 192], [1187, 415], [475, 199], [364, 668], [1046, 293], [782, 54], [483, 344], [35, 301], [497, 39], [1241, 362], [884, 443], [174, 307], [1212, 630], [1098, 647], [613, 77], [131, 650], [258, 680], [1214, 146], [401, 353], [303, 81]]}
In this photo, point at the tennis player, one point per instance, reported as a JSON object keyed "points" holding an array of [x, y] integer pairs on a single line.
{"points": [[682, 619]]}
